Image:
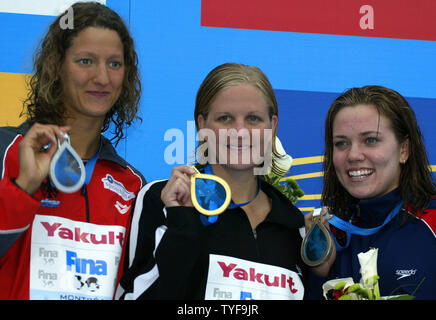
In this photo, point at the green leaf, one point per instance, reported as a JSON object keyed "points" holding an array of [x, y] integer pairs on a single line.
{"points": [[288, 187], [354, 287], [365, 293], [402, 297], [372, 280], [340, 286]]}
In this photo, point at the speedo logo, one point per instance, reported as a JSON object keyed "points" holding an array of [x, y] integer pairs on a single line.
{"points": [[281, 280], [57, 230], [405, 273]]}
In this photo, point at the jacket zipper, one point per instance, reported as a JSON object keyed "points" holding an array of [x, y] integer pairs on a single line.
{"points": [[254, 234], [85, 193]]}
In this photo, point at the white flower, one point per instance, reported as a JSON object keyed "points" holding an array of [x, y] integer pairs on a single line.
{"points": [[368, 288], [368, 265], [284, 162]]}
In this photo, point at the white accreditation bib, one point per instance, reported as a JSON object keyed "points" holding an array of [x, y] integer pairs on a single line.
{"points": [[73, 260], [231, 278]]}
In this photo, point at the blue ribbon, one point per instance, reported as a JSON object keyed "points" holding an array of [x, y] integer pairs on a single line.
{"points": [[349, 228], [208, 220]]}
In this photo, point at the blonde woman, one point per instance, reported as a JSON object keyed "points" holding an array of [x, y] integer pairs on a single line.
{"points": [[252, 250]]}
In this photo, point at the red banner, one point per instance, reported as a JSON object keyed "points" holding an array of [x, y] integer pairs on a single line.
{"points": [[403, 19]]}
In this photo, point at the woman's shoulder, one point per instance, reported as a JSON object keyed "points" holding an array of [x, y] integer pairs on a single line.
{"points": [[109, 153], [429, 216], [283, 210], [152, 189], [151, 194], [8, 134], [155, 186], [275, 194], [9, 139]]}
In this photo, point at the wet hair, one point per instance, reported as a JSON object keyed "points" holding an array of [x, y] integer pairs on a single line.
{"points": [[233, 74], [416, 185], [44, 102]]}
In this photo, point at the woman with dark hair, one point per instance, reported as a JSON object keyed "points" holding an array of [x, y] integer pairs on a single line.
{"points": [[60, 243], [377, 175]]}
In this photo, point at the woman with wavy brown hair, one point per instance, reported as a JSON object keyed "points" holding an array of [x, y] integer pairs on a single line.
{"points": [[55, 242], [45, 102], [378, 180]]}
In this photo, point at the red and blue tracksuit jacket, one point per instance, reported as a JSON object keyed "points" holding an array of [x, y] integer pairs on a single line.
{"points": [[406, 260], [108, 202]]}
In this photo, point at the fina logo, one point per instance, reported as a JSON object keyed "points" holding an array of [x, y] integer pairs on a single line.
{"points": [[115, 186], [85, 266]]}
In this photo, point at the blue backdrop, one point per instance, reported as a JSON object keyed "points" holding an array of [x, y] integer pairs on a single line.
{"points": [[307, 71]]}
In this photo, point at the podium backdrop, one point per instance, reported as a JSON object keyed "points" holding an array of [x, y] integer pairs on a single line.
{"points": [[311, 51]]}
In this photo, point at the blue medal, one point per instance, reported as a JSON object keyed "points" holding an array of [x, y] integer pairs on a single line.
{"points": [[208, 220]]}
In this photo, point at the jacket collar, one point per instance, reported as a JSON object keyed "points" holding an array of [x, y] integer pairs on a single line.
{"points": [[109, 153], [373, 212]]}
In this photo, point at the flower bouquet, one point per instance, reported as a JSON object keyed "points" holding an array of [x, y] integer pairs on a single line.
{"points": [[287, 186], [367, 289]]}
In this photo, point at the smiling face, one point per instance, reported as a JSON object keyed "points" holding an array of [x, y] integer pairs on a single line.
{"points": [[92, 73], [238, 117], [366, 153]]}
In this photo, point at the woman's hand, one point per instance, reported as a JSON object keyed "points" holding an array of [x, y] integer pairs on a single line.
{"points": [[324, 220], [177, 191], [34, 159], [323, 269]]}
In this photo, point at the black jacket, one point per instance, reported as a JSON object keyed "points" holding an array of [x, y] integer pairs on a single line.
{"points": [[178, 267]]}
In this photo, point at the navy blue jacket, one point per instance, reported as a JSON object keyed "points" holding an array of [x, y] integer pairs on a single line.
{"points": [[406, 253]]}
